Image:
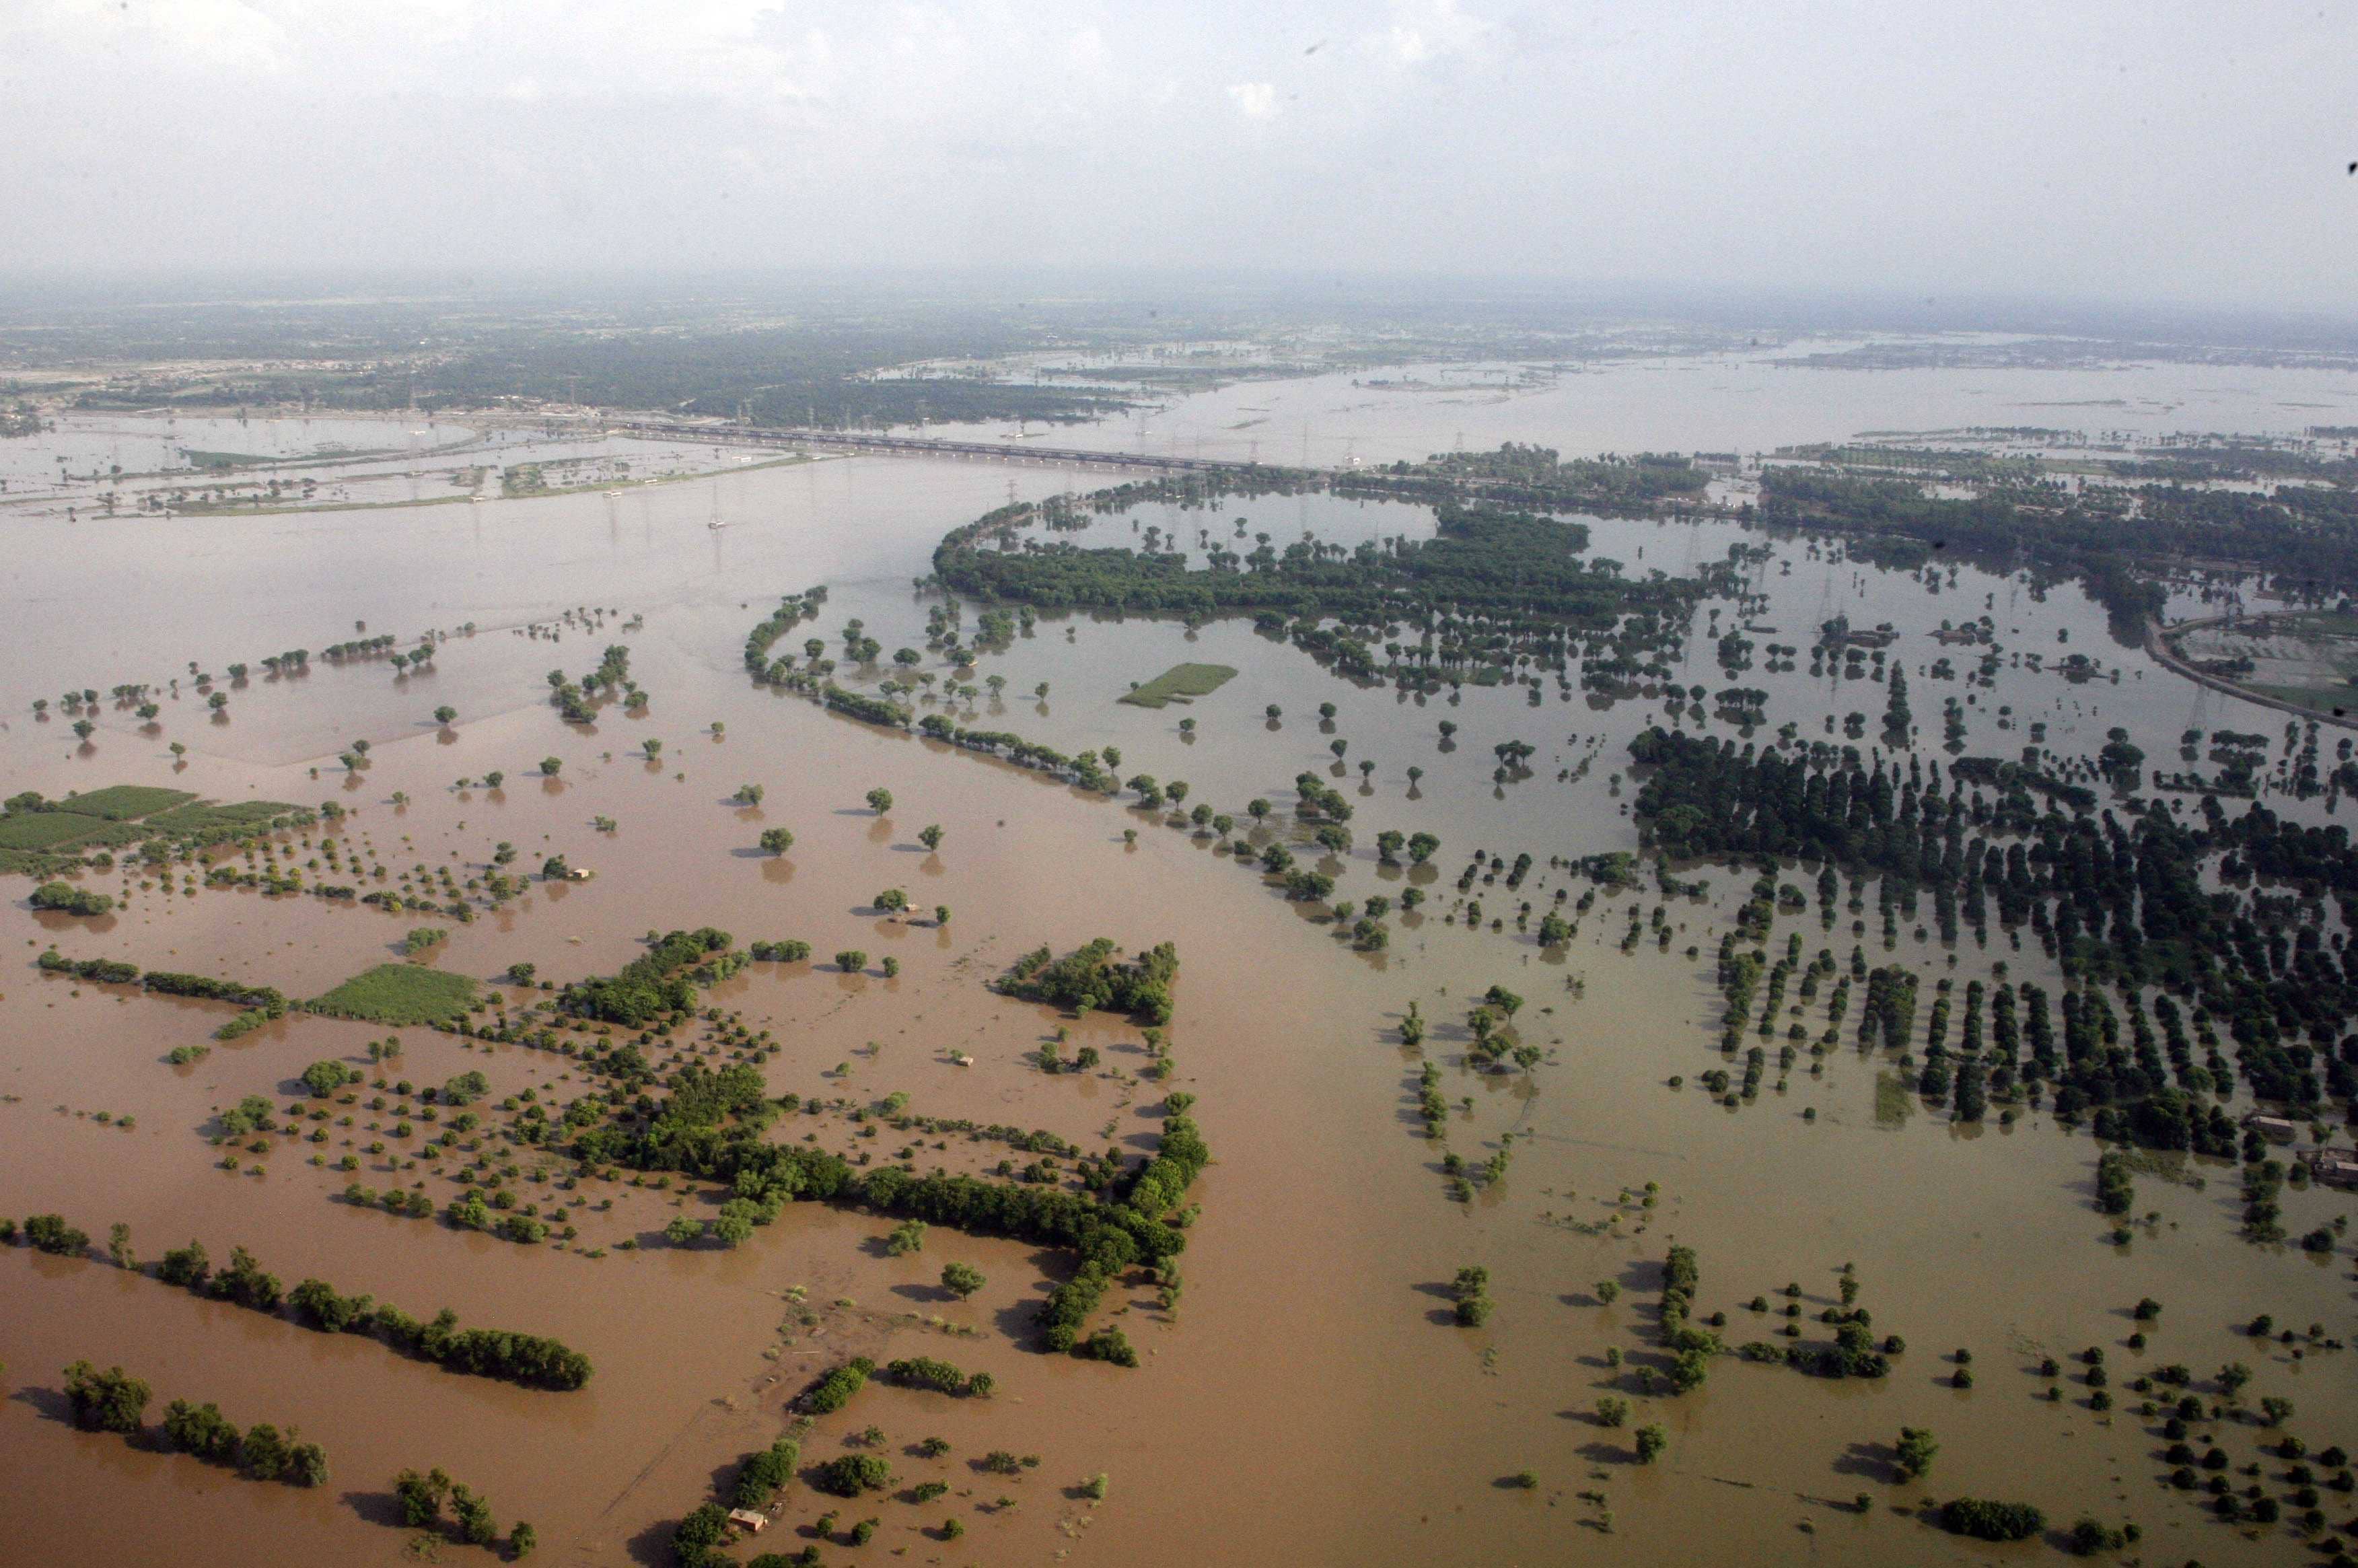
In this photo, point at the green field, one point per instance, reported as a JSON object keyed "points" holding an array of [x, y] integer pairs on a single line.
{"points": [[1180, 683], [45, 842], [119, 803], [400, 993], [2317, 698], [41, 830], [198, 816]]}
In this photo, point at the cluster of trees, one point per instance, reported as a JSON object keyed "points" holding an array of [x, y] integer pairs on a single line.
{"points": [[711, 1126], [853, 1474], [612, 675], [114, 1400], [531, 1359], [791, 613], [872, 709], [1538, 476], [260, 1453], [262, 1003], [1093, 978], [1987, 1521], [922, 1373], [649, 987], [1690, 1348], [68, 899], [108, 971], [1492, 589], [422, 1497], [787, 952], [1470, 1293], [2300, 532], [836, 1387], [765, 1471], [2122, 898]]}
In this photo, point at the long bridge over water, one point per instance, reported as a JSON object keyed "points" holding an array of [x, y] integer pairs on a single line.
{"points": [[921, 446]]}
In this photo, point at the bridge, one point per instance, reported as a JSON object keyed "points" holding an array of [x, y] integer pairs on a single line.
{"points": [[921, 446]]}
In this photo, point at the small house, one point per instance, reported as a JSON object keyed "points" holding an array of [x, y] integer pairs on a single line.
{"points": [[2336, 1170], [747, 1520], [2275, 1128]]}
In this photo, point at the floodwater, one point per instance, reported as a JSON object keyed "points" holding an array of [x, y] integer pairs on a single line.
{"points": [[1306, 1402], [1736, 400]]}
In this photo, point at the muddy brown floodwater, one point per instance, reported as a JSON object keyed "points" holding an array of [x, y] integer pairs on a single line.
{"points": [[1307, 1400]]}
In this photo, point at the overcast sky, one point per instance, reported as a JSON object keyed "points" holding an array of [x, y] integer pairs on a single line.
{"points": [[2174, 152]]}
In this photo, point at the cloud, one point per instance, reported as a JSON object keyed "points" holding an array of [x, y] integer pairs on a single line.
{"points": [[1424, 31], [185, 35], [1929, 148], [1254, 99]]}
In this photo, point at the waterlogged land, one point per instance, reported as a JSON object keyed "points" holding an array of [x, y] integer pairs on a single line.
{"points": [[1306, 1390]]}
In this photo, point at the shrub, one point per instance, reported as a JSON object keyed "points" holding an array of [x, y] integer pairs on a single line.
{"points": [[765, 1472], [1108, 1345], [110, 1400], [1987, 1521], [853, 1474], [51, 1233], [834, 1390]]}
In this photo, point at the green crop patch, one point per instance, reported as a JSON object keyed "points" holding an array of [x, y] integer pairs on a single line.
{"points": [[183, 820], [42, 830], [1180, 683], [121, 803], [400, 994]]}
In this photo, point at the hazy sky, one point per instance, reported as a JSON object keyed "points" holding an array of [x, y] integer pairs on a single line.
{"points": [[2147, 151]]}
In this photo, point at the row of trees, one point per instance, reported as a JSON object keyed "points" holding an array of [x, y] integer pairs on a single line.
{"points": [[531, 1359], [114, 1400]]}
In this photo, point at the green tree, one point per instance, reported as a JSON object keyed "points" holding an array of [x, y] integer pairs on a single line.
{"points": [[111, 1400], [962, 1279], [476, 1527], [444, 714], [1916, 1449], [549, 767], [1651, 1441], [306, 1464], [324, 1078], [262, 1456], [880, 800], [931, 838], [777, 840]]}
